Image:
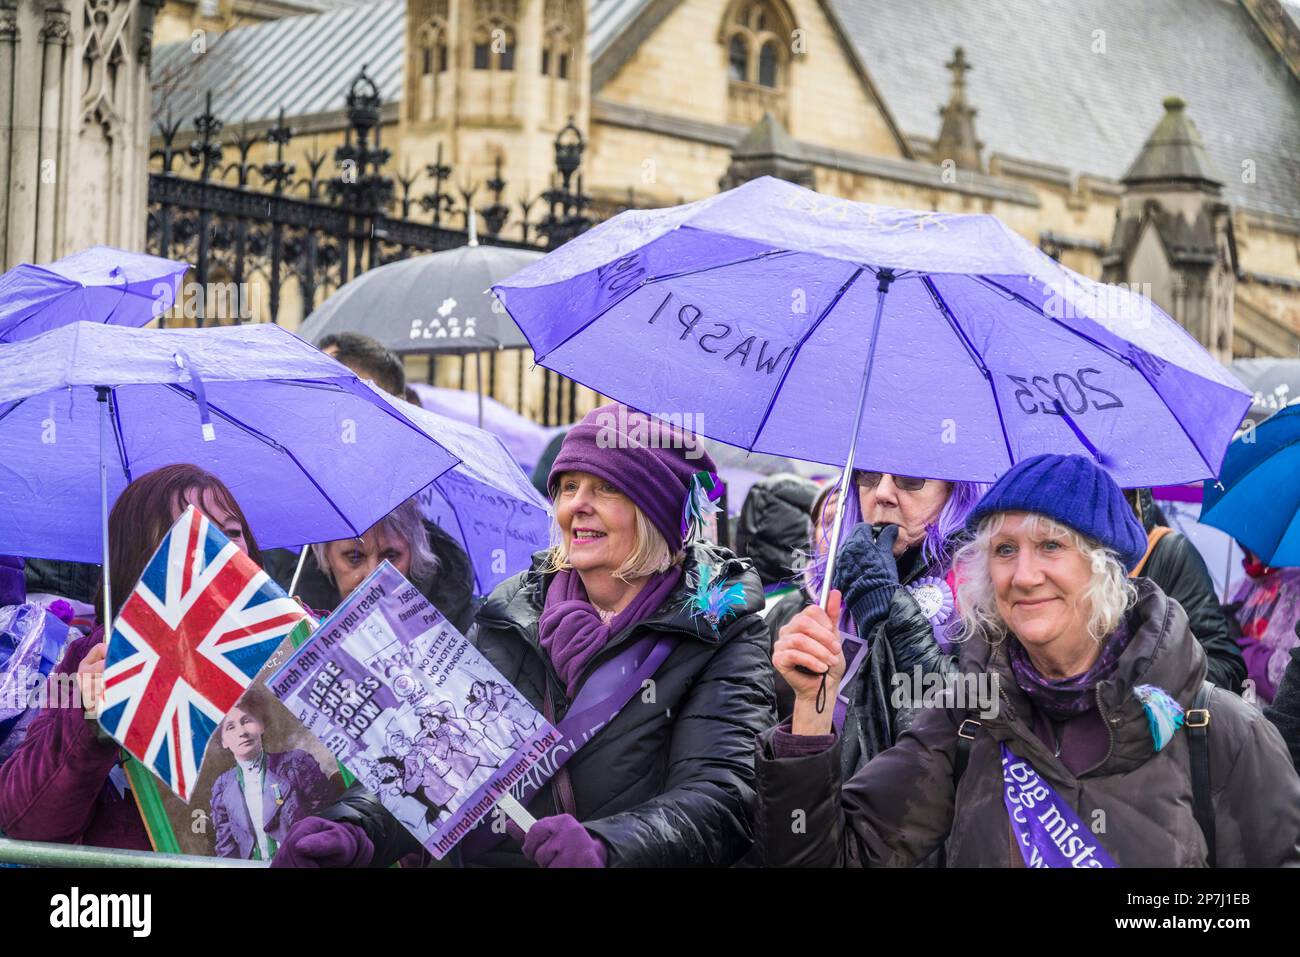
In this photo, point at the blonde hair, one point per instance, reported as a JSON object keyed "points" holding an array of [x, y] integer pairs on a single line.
{"points": [[1110, 592], [650, 553]]}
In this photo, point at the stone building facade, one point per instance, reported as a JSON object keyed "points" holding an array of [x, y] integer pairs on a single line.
{"points": [[1042, 112]]}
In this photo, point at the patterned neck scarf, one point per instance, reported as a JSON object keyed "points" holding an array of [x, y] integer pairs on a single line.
{"points": [[1063, 698]]}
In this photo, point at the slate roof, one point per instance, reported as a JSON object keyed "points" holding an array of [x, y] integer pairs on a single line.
{"points": [[606, 19], [1042, 94], [304, 64], [1293, 11]]}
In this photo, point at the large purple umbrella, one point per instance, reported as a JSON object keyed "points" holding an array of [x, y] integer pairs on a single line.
{"points": [[919, 343], [486, 502], [310, 452], [99, 284]]}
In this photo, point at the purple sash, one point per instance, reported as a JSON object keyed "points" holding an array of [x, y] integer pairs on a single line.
{"points": [[602, 696], [1048, 831]]}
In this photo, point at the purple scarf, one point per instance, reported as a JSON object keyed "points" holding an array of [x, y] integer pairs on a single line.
{"points": [[1066, 697], [570, 627]]}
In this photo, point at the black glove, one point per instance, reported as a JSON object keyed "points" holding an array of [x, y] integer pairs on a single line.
{"points": [[866, 575]]}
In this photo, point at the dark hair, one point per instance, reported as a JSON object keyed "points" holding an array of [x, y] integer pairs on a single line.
{"points": [[369, 358], [250, 707], [142, 516]]}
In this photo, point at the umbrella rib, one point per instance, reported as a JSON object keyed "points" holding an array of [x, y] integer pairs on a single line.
{"points": [[765, 254], [649, 280], [975, 354], [118, 437], [382, 407], [226, 417], [771, 402], [1016, 297], [15, 405], [463, 537], [249, 430]]}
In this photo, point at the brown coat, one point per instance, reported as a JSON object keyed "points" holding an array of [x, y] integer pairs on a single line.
{"points": [[900, 807]]}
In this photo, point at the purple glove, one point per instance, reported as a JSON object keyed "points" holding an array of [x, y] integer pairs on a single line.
{"points": [[316, 842], [561, 841]]}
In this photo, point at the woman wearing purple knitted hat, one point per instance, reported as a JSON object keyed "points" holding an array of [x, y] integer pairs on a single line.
{"points": [[1085, 738], [640, 642]]}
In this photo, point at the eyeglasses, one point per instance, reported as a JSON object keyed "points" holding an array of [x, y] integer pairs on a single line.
{"points": [[905, 483]]}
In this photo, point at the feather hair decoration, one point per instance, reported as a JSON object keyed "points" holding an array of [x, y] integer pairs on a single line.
{"points": [[1164, 714], [701, 502], [714, 600]]}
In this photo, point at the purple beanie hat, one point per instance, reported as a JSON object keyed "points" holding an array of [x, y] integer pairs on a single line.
{"points": [[649, 461]]}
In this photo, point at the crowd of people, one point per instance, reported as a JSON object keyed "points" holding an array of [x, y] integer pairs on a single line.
{"points": [[1113, 730]]}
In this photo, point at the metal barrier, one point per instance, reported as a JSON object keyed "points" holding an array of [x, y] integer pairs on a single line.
{"points": [[40, 854]]}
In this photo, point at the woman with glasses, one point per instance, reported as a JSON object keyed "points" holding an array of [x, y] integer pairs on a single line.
{"points": [[894, 568]]}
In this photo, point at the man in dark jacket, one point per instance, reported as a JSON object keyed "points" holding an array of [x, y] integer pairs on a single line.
{"points": [[1284, 712], [775, 526], [1177, 567]]}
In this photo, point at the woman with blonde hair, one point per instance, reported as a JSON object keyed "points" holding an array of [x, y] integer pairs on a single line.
{"points": [[641, 644], [1093, 706]]}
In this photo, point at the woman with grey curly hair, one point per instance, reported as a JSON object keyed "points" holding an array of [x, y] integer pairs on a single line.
{"points": [[399, 537], [1088, 742]]}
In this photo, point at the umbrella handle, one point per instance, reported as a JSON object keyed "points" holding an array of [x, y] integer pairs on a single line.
{"points": [[105, 426], [297, 572], [884, 278]]}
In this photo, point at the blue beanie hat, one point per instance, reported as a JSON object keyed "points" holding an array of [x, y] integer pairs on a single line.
{"points": [[1074, 491]]}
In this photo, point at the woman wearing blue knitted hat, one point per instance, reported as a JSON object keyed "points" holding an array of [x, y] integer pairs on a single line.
{"points": [[1087, 737]]}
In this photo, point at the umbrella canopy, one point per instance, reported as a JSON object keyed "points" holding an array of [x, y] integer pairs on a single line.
{"points": [[99, 284], [524, 438], [309, 451], [764, 311], [486, 502], [1257, 497], [1274, 382], [438, 302]]}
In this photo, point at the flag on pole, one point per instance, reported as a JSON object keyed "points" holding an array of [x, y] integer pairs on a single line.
{"points": [[186, 644]]}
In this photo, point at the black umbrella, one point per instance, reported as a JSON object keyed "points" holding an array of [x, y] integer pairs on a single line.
{"points": [[1275, 382], [435, 303], [438, 302]]}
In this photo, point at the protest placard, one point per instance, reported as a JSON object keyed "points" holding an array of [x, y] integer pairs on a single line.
{"points": [[413, 710], [258, 740]]}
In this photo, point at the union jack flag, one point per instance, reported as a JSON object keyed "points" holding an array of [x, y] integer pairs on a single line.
{"points": [[186, 644]]}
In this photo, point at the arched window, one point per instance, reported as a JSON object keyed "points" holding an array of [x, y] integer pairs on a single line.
{"points": [[494, 46], [758, 34], [767, 64], [739, 57], [432, 43]]}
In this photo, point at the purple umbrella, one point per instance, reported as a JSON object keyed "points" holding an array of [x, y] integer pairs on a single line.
{"points": [[486, 502], [939, 345], [524, 438], [309, 451], [99, 284]]}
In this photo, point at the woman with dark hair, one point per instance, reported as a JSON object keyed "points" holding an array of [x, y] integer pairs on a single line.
{"points": [[63, 783]]}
